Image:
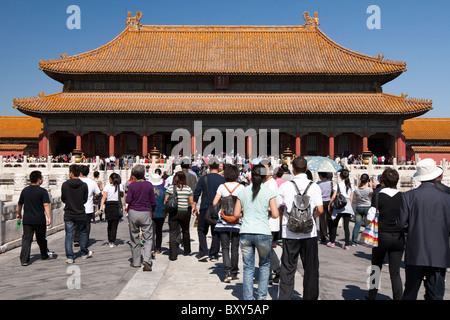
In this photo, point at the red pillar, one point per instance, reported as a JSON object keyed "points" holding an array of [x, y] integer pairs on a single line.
{"points": [[249, 147], [43, 144], [111, 144], [144, 145], [78, 141], [331, 145], [193, 146], [401, 148], [365, 142], [298, 145]]}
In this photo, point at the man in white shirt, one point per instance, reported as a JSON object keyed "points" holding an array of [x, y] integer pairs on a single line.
{"points": [[112, 160], [93, 190], [295, 244]]}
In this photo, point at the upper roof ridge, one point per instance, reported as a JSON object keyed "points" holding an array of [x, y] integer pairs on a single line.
{"points": [[223, 49]]}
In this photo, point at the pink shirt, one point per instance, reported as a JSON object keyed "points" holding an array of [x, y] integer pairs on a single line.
{"points": [[279, 181]]}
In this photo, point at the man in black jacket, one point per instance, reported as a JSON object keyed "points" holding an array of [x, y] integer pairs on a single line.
{"points": [[74, 193], [206, 188], [425, 218], [438, 183]]}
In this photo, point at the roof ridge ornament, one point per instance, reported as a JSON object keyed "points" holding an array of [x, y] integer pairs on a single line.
{"points": [[134, 22], [310, 21]]}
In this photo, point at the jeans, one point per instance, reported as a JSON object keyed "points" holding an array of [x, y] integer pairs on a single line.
{"points": [[70, 225], [434, 282], [263, 244], [76, 235], [360, 214]]}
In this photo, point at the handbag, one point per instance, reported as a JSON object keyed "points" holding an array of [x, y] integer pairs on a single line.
{"points": [[339, 201], [119, 201], [171, 205], [369, 237], [212, 213]]}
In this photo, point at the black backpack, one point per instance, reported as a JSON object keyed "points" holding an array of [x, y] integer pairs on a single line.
{"points": [[300, 219]]}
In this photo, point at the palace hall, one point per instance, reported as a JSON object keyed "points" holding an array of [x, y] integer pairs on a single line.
{"points": [[128, 96]]}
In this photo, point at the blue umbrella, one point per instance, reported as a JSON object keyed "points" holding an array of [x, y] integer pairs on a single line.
{"points": [[323, 164], [256, 161]]}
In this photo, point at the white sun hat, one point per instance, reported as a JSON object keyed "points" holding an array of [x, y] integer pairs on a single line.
{"points": [[427, 170], [156, 180]]}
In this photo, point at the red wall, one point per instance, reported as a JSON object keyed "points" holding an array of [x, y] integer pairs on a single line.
{"points": [[435, 156]]}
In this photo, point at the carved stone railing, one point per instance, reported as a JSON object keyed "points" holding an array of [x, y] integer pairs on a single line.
{"points": [[15, 176], [11, 237]]}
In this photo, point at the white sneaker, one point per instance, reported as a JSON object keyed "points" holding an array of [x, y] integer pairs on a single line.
{"points": [[70, 261], [112, 245], [86, 256]]}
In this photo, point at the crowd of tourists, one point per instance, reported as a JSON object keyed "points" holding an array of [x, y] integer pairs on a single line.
{"points": [[252, 208]]}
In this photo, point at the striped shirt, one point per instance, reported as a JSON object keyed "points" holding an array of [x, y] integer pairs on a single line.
{"points": [[183, 196]]}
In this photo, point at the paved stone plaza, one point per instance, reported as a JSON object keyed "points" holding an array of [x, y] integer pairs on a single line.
{"points": [[108, 275]]}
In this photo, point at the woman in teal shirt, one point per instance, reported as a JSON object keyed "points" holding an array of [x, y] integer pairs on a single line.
{"points": [[253, 205]]}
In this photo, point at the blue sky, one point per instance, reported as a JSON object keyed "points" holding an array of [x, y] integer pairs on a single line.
{"points": [[413, 31]]}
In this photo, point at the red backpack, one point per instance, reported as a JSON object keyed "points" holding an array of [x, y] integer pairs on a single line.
{"points": [[227, 206]]}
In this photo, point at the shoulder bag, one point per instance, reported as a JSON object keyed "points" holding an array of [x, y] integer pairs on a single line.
{"points": [[171, 205], [369, 236], [212, 213], [340, 201]]}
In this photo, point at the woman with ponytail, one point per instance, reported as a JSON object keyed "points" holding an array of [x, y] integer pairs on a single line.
{"points": [[253, 205], [111, 203], [346, 188]]}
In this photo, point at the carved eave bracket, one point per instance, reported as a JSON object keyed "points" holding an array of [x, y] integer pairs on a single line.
{"points": [[134, 22], [311, 21]]}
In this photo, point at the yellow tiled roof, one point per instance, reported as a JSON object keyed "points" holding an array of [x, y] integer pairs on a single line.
{"points": [[427, 129], [12, 147], [225, 103], [431, 149], [155, 49], [20, 127]]}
